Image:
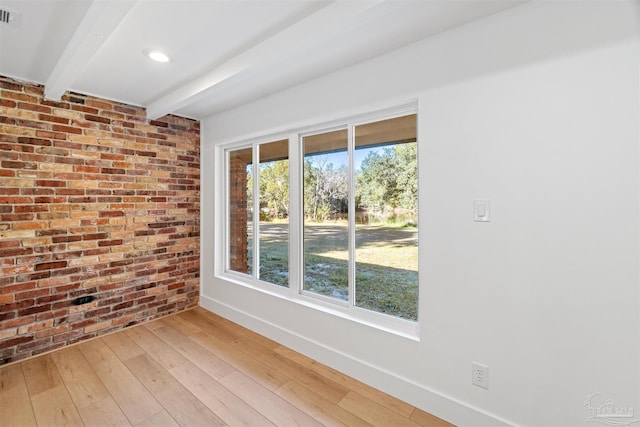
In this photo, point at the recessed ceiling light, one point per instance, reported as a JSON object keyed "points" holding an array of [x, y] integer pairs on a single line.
{"points": [[157, 55]]}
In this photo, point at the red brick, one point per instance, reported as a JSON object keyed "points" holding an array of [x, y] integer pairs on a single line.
{"points": [[112, 171], [15, 341], [55, 119], [43, 343], [31, 294], [5, 298], [7, 164], [34, 107], [109, 213], [7, 103], [51, 265], [50, 298], [15, 200], [20, 97], [4, 281], [22, 286], [67, 129], [102, 105], [6, 315], [9, 244], [17, 322], [53, 314], [33, 310], [30, 208], [5, 191], [35, 89], [35, 327], [15, 252], [50, 135], [50, 183], [68, 336], [9, 85], [56, 104], [99, 119], [52, 331]]}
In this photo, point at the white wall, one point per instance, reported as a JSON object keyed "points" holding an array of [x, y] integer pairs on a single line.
{"points": [[536, 109]]}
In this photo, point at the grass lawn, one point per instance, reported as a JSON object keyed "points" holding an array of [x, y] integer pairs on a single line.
{"points": [[386, 264]]}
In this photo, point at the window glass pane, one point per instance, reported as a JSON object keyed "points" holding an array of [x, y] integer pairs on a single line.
{"points": [[240, 210], [274, 212], [386, 232], [326, 237]]}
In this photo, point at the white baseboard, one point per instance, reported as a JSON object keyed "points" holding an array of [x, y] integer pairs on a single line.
{"points": [[404, 389]]}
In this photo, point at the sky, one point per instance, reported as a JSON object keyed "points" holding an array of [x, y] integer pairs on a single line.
{"points": [[340, 158]]}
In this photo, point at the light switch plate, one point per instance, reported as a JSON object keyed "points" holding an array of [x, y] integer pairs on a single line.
{"points": [[481, 210]]}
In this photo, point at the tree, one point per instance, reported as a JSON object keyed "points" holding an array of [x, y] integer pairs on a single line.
{"points": [[325, 188], [387, 179], [274, 188], [373, 181], [407, 161]]}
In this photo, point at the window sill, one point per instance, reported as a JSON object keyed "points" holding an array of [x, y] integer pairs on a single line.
{"points": [[393, 325]]}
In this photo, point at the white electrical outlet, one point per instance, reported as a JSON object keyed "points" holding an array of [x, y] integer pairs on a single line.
{"points": [[480, 375]]}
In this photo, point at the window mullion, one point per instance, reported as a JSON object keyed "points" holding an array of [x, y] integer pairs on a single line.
{"points": [[256, 211], [296, 212], [227, 211], [351, 215]]}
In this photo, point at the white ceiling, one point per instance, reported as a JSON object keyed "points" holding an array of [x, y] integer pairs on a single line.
{"points": [[223, 52]]}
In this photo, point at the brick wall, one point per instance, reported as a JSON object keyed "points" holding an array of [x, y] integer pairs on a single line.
{"points": [[95, 200]]}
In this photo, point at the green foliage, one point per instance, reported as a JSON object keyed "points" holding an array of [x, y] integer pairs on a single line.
{"points": [[388, 179], [407, 166], [274, 189], [249, 186], [325, 188]]}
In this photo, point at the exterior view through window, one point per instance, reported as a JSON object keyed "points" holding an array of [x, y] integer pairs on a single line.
{"points": [[273, 188], [358, 210], [383, 227], [326, 208], [268, 196]]}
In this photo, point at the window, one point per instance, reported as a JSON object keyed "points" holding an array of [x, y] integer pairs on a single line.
{"points": [[354, 214], [258, 232], [326, 208], [386, 226]]}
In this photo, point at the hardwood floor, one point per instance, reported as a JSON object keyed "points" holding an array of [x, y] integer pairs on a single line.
{"points": [[191, 369]]}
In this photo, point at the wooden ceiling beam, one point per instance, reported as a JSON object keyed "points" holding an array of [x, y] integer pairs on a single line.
{"points": [[100, 20], [325, 24]]}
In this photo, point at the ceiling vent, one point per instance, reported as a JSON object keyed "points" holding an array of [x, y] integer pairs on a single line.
{"points": [[8, 16]]}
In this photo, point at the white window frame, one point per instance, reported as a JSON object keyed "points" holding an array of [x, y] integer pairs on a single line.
{"points": [[295, 292]]}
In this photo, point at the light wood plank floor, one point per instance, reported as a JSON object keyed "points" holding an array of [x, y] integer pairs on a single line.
{"points": [[191, 369]]}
